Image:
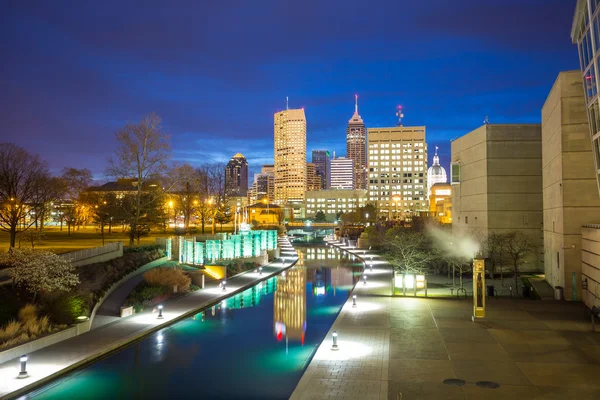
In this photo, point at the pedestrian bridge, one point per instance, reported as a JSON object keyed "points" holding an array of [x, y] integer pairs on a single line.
{"points": [[310, 229]]}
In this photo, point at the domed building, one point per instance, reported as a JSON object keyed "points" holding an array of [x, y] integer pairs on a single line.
{"points": [[436, 173]]}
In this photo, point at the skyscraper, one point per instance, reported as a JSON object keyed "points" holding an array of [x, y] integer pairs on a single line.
{"points": [[356, 147], [322, 163], [290, 156], [342, 173], [436, 173], [398, 170], [236, 176], [313, 180]]}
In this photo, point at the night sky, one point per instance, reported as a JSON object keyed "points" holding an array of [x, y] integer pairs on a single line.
{"points": [[72, 73]]}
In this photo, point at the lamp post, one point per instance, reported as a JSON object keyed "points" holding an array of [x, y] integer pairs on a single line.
{"points": [[353, 300], [160, 308], [224, 285], [364, 279]]}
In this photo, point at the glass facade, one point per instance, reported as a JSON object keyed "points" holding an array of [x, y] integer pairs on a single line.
{"points": [[586, 34]]}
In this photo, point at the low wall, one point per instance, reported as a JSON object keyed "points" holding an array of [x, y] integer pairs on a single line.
{"points": [[590, 265], [93, 255], [45, 341]]}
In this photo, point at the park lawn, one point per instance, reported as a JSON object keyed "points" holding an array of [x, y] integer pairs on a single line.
{"points": [[58, 241]]}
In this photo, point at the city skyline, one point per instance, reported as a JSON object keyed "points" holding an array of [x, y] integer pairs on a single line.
{"points": [[92, 83]]}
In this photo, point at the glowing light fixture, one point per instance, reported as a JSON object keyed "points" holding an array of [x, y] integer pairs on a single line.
{"points": [[335, 345], [353, 300], [23, 373], [160, 308], [365, 279], [260, 270], [224, 285]]}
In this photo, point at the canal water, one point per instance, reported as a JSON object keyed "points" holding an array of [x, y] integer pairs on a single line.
{"points": [[254, 345]]}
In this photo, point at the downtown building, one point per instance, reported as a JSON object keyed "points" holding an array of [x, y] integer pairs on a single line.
{"points": [[322, 163], [342, 174], [236, 176], [496, 177], [334, 202], [569, 184], [397, 166], [263, 186], [356, 147], [290, 156], [585, 33]]}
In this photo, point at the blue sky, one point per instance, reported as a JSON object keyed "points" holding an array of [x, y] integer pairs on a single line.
{"points": [[73, 73]]}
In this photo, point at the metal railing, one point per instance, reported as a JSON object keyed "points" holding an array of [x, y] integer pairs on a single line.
{"points": [[79, 255]]}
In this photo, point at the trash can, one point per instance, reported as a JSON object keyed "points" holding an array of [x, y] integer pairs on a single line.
{"points": [[526, 291], [558, 292], [490, 290]]}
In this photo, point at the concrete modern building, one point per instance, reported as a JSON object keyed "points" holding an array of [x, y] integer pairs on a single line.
{"points": [[440, 202], [436, 173], [322, 163], [398, 171], [342, 173], [331, 202], [313, 180], [356, 147], [236, 176], [496, 173], [569, 182], [588, 44], [290, 156], [585, 33]]}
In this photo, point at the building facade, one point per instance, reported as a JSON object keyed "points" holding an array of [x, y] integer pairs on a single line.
{"points": [[356, 148], [313, 180], [263, 185], [436, 173], [398, 171], [440, 202], [322, 163], [496, 177], [585, 33], [342, 173], [332, 202], [236, 176], [290, 156]]}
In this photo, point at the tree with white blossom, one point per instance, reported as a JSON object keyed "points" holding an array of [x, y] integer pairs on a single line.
{"points": [[39, 271]]}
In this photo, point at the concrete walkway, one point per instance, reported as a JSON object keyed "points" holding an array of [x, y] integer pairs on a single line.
{"points": [[424, 348], [53, 361]]}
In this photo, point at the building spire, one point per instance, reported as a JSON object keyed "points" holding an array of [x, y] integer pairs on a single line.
{"points": [[287, 103], [400, 115], [356, 103], [436, 149]]}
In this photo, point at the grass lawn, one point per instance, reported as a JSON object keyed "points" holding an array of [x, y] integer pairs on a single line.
{"points": [[59, 241]]}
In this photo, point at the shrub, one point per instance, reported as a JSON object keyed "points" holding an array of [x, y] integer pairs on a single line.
{"points": [[168, 278], [44, 323], [28, 313], [65, 308], [12, 329], [140, 249]]}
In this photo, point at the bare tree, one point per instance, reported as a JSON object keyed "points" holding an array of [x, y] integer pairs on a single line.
{"points": [[45, 196], [186, 191], [75, 182], [212, 193], [493, 248], [516, 247], [409, 251], [21, 174], [142, 154]]}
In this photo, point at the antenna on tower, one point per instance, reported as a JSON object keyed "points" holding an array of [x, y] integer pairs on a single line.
{"points": [[287, 103], [400, 115], [356, 103], [486, 121]]}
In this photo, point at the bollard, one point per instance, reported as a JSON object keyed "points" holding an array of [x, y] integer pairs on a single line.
{"points": [[335, 345], [354, 302], [23, 373], [365, 279], [224, 285], [160, 308]]}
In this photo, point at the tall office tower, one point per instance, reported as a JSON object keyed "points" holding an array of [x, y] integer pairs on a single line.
{"points": [[313, 180], [356, 147], [236, 176], [342, 173], [436, 173], [322, 163], [290, 156], [398, 171]]}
